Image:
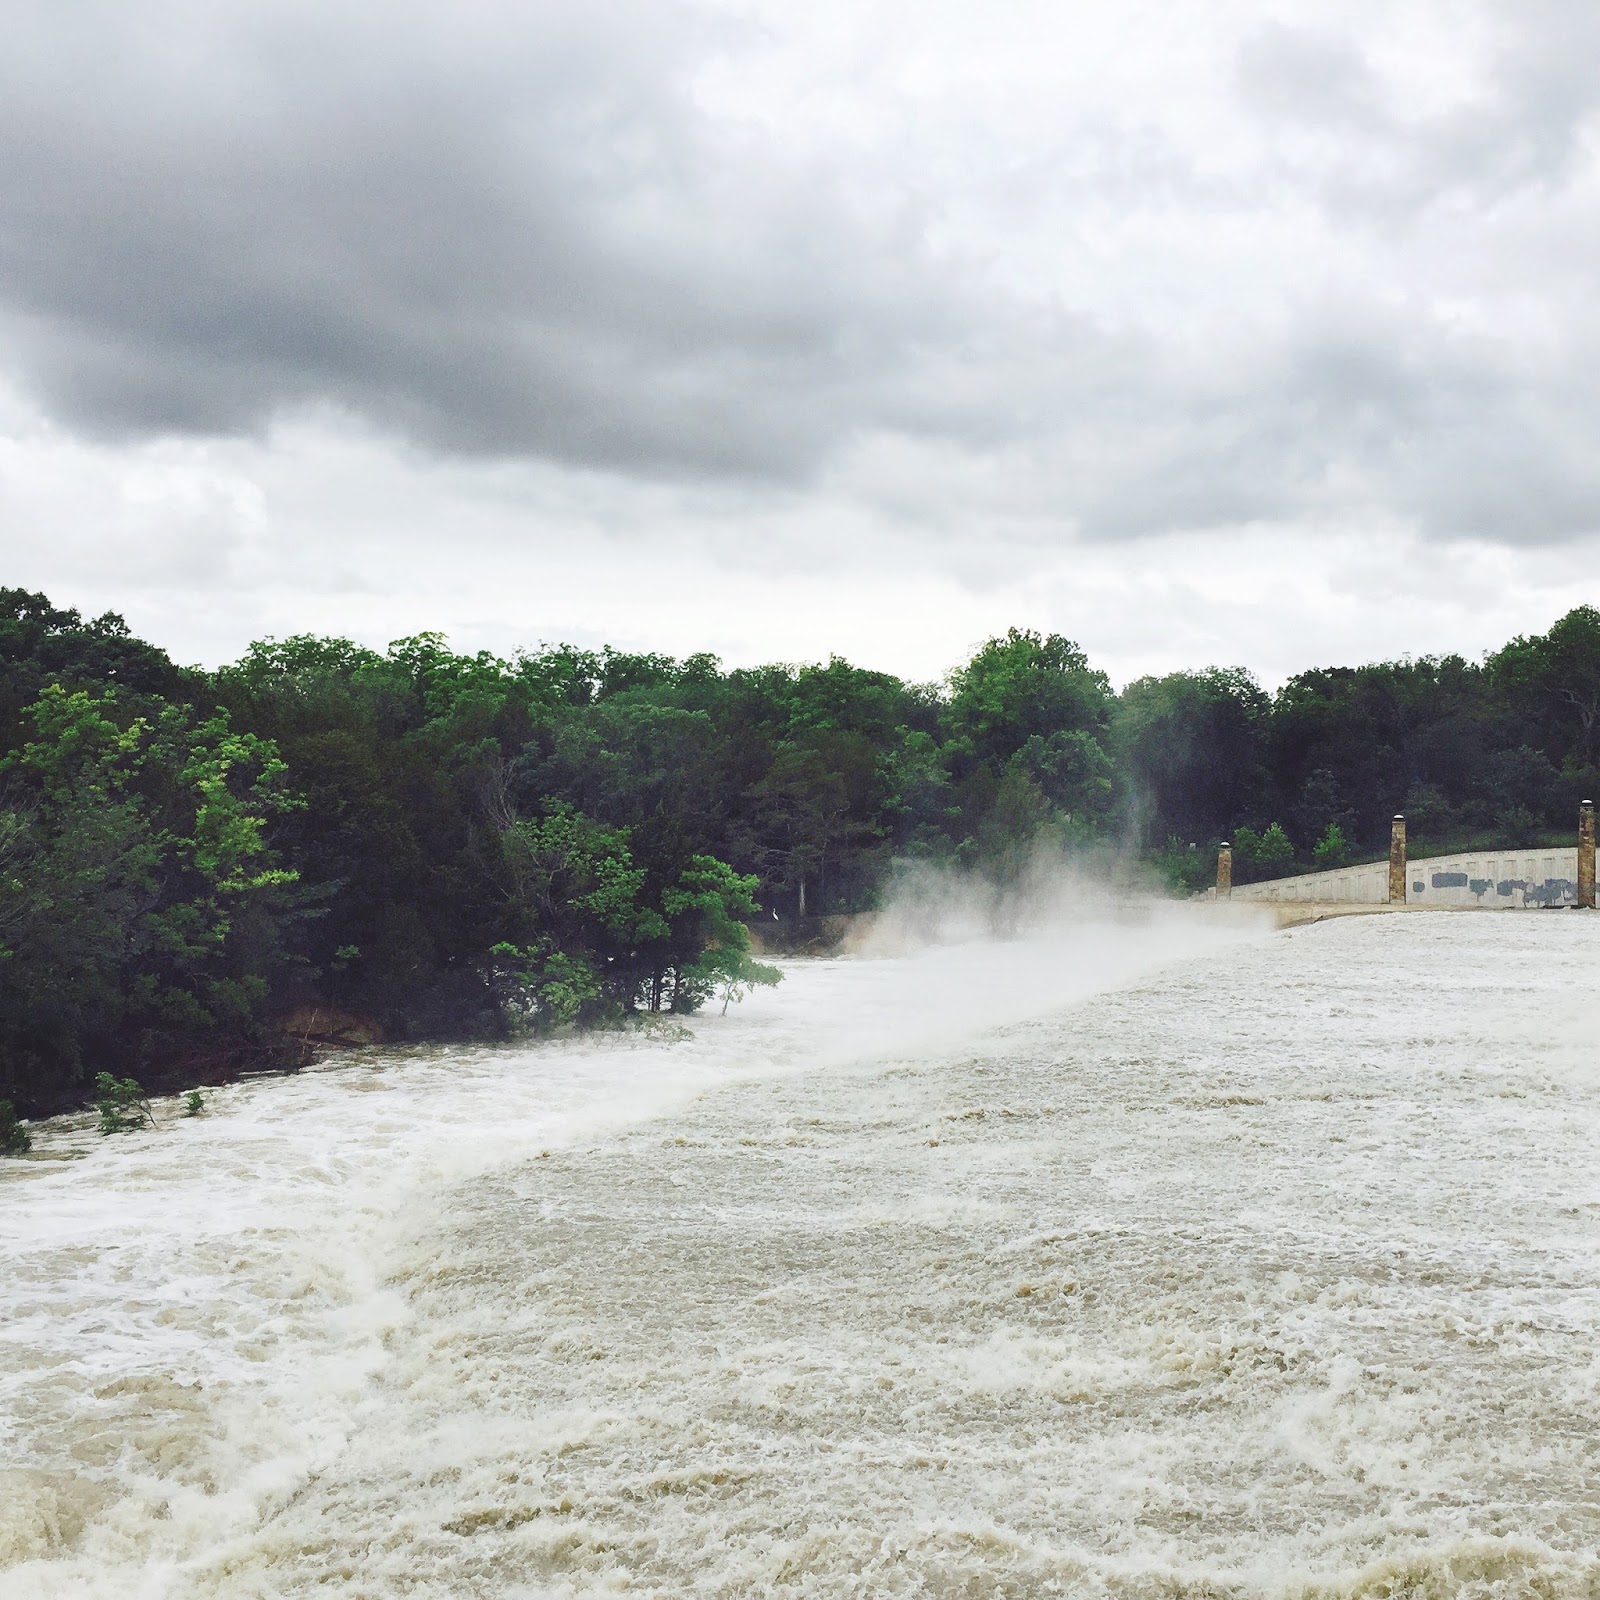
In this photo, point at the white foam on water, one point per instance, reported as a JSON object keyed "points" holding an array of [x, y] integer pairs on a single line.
{"points": [[194, 1321], [1150, 1259]]}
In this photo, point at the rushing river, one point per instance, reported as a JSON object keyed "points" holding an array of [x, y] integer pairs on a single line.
{"points": [[1157, 1260]]}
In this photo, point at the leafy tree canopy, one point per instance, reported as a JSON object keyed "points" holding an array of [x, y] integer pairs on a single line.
{"points": [[456, 844]]}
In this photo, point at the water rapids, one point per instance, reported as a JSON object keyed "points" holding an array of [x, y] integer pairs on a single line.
{"points": [[1150, 1260]]}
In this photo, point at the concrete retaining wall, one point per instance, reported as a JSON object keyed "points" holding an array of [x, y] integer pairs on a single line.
{"points": [[1496, 879]]}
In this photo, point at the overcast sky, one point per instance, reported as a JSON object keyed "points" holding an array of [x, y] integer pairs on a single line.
{"points": [[1200, 330]]}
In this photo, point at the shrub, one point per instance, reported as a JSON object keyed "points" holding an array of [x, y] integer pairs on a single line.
{"points": [[745, 973], [14, 1140], [1331, 850], [1186, 868], [122, 1104], [1261, 855], [194, 1103]]}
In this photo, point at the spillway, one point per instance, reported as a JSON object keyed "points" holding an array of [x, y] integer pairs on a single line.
{"points": [[1152, 1258]]}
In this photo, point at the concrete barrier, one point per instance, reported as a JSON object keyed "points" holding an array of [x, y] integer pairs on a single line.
{"points": [[1506, 879]]}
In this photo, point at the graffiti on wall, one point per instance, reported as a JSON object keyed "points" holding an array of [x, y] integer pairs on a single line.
{"points": [[1551, 892]]}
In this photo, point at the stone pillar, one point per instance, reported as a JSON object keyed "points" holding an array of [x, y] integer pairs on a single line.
{"points": [[1586, 854], [1224, 870], [1397, 861]]}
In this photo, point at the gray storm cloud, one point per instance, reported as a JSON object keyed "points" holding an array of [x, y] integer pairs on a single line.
{"points": [[495, 236], [519, 232]]}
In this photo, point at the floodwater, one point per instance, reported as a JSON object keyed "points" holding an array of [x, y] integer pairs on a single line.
{"points": [[1151, 1260]]}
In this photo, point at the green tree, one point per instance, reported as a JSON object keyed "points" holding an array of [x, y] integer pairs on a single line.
{"points": [[1265, 855], [122, 1103], [1331, 850], [15, 1139], [711, 944], [1554, 679], [1015, 828], [919, 808], [1021, 686], [42, 644], [580, 926], [142, 903], [82, 866], [802, 818], [1191, 747]]}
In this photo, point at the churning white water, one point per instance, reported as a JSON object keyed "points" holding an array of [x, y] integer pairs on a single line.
{"points": [[1151, 1260]]}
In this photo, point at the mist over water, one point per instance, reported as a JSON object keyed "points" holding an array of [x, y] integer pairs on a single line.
{"points": [[1141, 1256]]}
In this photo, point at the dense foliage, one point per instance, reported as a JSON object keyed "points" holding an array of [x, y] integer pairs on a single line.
{"points": [[463, 846]]}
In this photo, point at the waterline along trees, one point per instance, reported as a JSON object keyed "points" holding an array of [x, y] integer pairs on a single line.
{"points": [[455, 845]]}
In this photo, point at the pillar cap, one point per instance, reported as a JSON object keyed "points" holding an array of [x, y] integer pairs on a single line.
{"points": [[1399, 816], [1225, 845], [1589, 803]]}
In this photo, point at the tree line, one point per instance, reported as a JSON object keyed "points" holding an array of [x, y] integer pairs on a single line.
{"points": [[462, 846]]}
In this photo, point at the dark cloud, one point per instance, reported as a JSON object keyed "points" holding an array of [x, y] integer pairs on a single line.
{"points": [[513, 231], [499, 231]]}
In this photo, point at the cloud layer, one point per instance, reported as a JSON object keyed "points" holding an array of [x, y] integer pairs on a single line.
{"points": [[981, 291], [494, 235]]}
